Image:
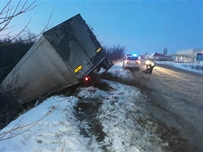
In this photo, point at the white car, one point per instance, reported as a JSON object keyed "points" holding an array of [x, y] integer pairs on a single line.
{"points": [[131, 62]]}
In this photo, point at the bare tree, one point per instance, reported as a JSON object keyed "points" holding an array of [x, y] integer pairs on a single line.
{"points": [[115, 52], [10, 11]]}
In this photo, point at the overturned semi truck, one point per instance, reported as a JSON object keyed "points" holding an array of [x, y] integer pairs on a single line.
{"points": [[65, 55]]}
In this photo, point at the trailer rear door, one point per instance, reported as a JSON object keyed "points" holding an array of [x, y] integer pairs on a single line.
{"points": [[85, 37], [72, 55]]}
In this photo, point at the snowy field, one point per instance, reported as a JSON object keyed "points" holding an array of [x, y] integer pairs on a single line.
{"points": [[194, 67], [54, 125]]}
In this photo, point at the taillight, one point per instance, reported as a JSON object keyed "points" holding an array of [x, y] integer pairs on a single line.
{"points": [[138, 61], [87, 78], [87, 81]]}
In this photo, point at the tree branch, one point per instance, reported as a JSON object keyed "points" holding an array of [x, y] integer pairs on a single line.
{"points": [[7, 14]]}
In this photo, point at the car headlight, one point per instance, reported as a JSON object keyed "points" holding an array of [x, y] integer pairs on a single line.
{"points": [[152, 63], [147, 62]]}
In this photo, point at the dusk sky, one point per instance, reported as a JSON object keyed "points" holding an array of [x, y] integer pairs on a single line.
{"points": [[141, 26]]}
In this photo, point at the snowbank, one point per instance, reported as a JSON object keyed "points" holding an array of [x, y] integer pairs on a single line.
{"points": [[194, 67], [118, 71], [50, 126]]}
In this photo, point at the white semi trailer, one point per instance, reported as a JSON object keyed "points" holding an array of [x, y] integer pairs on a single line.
{"points": [[65, 55]]}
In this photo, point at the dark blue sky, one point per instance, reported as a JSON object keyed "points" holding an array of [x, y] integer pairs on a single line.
{"points": [[141, 26]]}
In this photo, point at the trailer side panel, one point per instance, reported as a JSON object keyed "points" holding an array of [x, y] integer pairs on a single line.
{"points": [[39, 72]]}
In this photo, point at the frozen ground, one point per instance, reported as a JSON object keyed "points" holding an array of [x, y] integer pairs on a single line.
{"points": [[95, 119], [107, 117]]}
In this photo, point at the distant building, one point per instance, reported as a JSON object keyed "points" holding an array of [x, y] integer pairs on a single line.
{"points": [[186, 56], [159, 57]]}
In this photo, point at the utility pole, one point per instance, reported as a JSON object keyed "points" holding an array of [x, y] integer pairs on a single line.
{"points": [[165, 51]]}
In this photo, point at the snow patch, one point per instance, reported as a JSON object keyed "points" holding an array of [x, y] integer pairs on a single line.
{"points": [[117, 71], [194, 67]]}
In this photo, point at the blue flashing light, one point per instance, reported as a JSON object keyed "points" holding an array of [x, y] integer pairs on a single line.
{"points": [[134, 54]]}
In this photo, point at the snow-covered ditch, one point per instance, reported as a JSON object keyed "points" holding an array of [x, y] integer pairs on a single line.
{"points": [[94, 119]]}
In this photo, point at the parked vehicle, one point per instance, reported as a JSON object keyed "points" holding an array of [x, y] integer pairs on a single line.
{"points": [[65, 55], [131, 62]]}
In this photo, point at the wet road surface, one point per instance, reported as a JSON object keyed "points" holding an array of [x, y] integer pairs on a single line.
{"points": [[176, 99]]}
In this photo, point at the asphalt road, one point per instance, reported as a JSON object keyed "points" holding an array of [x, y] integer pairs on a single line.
{"points": [[176, 99]]}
